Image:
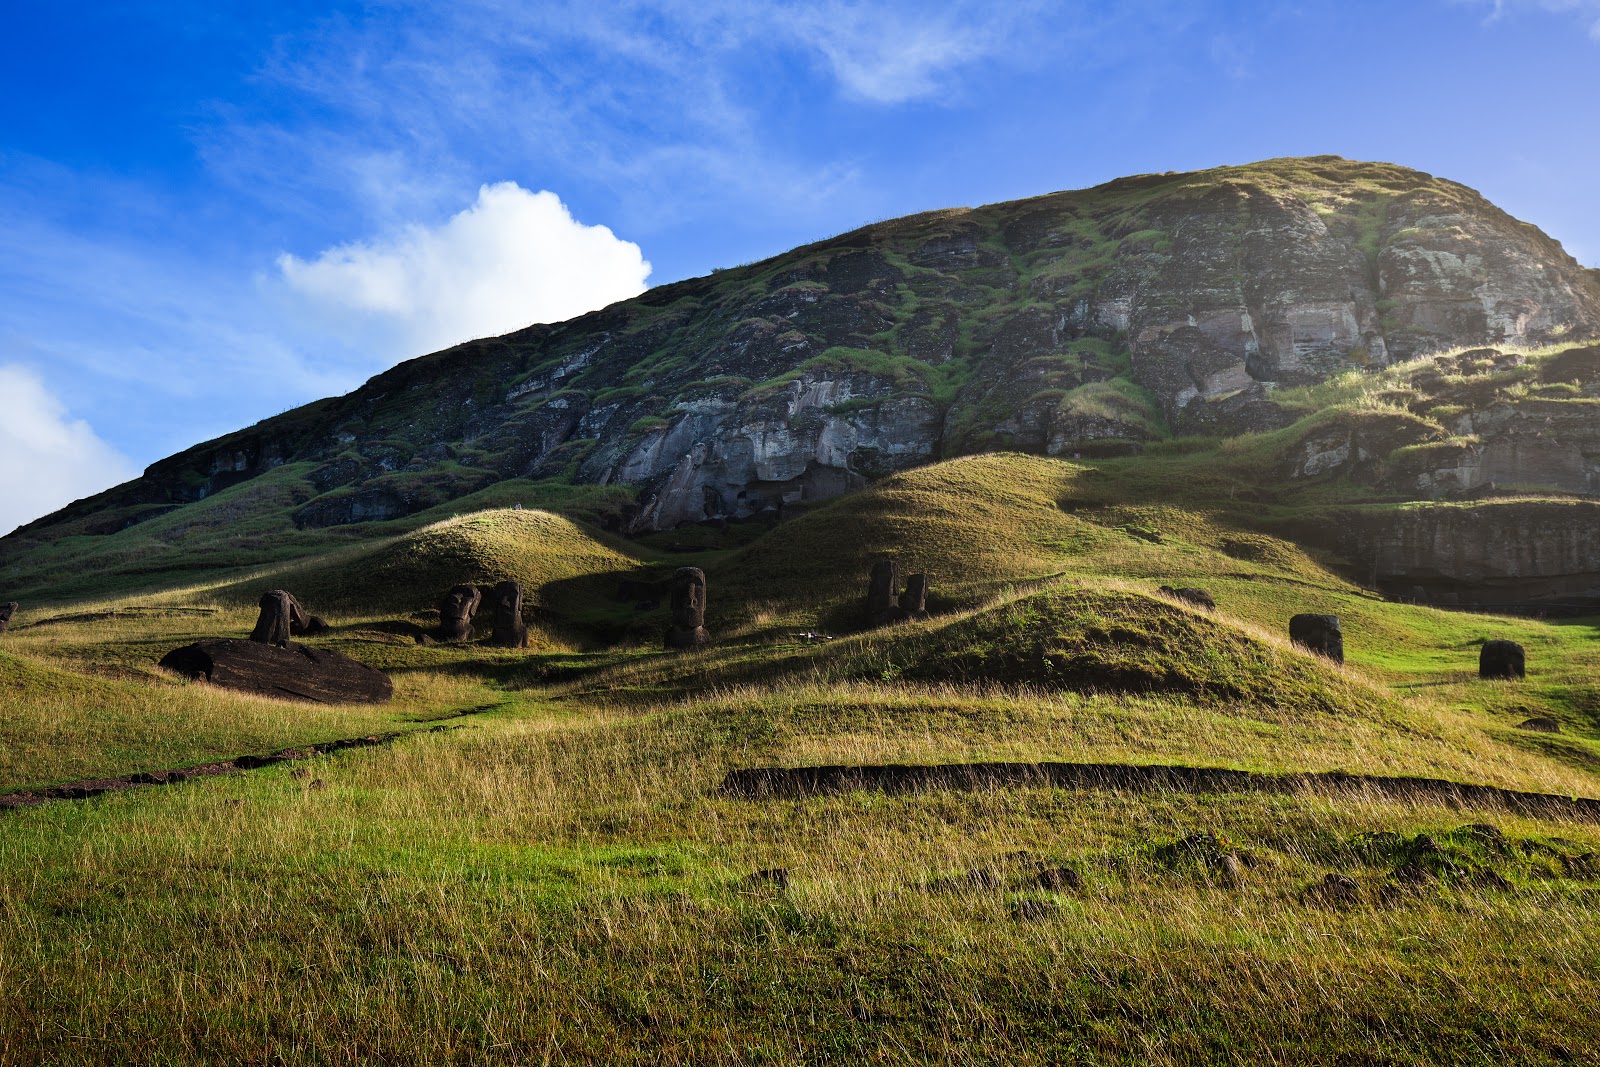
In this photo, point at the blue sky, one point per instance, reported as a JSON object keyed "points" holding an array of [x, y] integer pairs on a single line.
{"points": [[212, 213]]}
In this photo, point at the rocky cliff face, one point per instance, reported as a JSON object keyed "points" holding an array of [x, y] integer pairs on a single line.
{"points": [[1071, 323]]}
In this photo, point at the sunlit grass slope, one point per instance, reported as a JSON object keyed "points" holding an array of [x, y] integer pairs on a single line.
{"points": [[548, 554]]}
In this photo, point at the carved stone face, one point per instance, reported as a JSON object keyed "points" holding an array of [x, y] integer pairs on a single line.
{"points": [[459, 604]]}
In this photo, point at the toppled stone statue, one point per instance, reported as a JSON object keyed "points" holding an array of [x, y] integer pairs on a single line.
{"points": [[1320, 634], [456, 610], [298, 672], [7, 610], [282, 617], [688, 628], [505, 600], [1198, 597], [1502, 659], [882, 603], [914, 601]]}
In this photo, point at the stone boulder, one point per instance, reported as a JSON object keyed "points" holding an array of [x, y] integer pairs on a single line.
{"points": [[456, 610], [295, 672], [1320, 634], [7, 611], [688, 629], [1502, 659], [281, 618], [505, 602]]}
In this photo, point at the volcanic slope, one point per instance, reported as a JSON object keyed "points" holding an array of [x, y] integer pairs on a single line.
{"points": [[1078, 322]]}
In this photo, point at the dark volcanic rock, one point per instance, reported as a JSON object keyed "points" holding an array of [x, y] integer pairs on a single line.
{"points": [[281, 618], [505, 601], [1502, 659], [297, 672], [1540, 724], [456, 610], [7, 611], [1320, 634], [688, 628]]}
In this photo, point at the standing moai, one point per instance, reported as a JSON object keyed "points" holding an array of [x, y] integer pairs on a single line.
{"points": [[281, 618], [688, 629], [7, 610], [1502, 659], [510, 631], [882, 600], [914, 601], [456, 611], [1320, 634]]}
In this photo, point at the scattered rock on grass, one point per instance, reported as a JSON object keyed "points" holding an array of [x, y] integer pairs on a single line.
{"points": [[1058, 878], [771, 877], [1335, 890], [7, 610], [1540, 724], [1032, 908]]}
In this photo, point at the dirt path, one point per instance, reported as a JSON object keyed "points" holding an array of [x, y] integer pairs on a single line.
{"points": [[757, 782], [93, 787]]}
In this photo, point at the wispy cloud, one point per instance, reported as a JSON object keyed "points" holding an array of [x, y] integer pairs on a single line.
{"points": [[511, 259], [47, 458], [1585, 11]]}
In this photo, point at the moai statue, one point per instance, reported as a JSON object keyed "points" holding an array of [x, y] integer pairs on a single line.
{"points": [[7, 610], [882, 604], [510, 631], [1320, 634], [1502, 659], [281, 618], [688, 628], [914, 601], [456, 611]]}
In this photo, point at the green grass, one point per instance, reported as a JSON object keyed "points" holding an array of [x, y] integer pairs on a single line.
{"points": [[559, 879]]}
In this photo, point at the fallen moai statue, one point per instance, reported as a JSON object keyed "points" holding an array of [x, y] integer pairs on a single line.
{"points": [[456, 610], [1320, 634], [7, 610], [510, 631], [688, 629], [296, 672], [1502, 659]]}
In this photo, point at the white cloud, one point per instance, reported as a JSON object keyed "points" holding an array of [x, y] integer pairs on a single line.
{"points": [[892, 55], [511, 259], [47, 458]]}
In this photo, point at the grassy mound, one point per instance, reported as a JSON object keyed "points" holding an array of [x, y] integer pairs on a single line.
{"points": [[561, 565], [1121, 641]]}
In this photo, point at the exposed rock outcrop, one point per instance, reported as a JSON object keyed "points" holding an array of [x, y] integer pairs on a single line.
{"points": [[1067, 323], [1321, 634]]}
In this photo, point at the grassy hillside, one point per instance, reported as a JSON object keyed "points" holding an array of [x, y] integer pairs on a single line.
{"points": [[557, 876]]}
